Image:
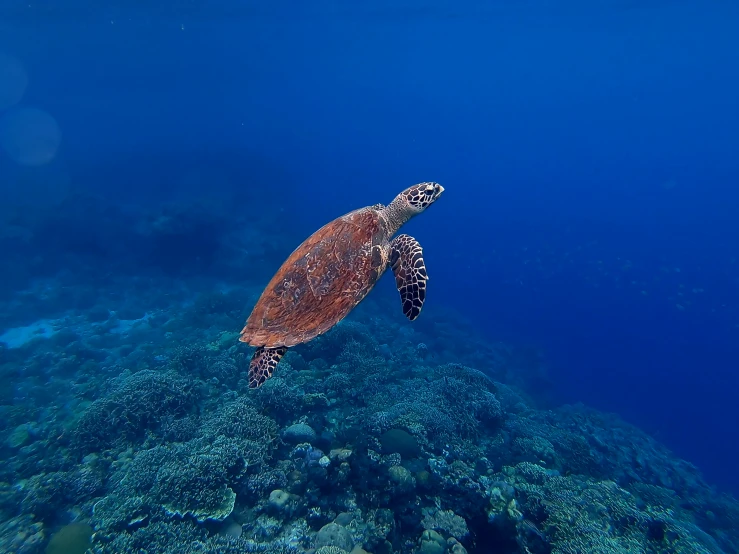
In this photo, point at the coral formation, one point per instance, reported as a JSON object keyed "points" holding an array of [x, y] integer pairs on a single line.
{"points": [[74, 538], [363, 442]]}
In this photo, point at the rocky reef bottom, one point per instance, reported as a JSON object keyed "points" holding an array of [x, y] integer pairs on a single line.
{"points": [[140, 435]]}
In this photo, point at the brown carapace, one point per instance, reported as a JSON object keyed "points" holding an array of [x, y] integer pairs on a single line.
{"points": [[332, 271]]}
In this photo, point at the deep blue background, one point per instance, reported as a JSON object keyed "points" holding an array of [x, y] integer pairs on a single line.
{"points": [[590, 156]]}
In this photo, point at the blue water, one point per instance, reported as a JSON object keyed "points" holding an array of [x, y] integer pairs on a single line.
{"points": [[589, 153]]}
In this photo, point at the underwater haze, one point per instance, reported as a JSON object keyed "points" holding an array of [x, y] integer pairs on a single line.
{"points": [[570, 385]]}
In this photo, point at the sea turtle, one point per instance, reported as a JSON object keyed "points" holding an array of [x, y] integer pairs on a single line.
{"points": [[332, 271]]}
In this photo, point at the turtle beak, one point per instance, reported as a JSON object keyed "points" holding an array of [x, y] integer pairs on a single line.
{"points": [[439, 189]]}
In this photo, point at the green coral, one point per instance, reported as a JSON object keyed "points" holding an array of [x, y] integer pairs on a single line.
{"points": [[19, 436], [74, 538], [579, 514], [220, 505], [444, 521], [330, 550], [196, 478]]}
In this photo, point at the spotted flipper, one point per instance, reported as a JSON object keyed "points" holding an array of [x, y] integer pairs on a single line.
{"points": [[406, 260], [263, 363]]}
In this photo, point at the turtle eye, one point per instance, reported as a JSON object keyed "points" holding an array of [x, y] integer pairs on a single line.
{"points": [[429, 191]]}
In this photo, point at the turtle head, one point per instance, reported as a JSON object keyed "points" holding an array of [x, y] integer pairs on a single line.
{"points": [[412, 201], [421, 196]]}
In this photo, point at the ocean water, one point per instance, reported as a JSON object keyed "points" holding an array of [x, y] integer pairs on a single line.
{"points": [[570, 384]]}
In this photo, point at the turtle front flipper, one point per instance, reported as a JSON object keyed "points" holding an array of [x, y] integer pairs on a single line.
{"points": [[263, 363], [406, 261]]}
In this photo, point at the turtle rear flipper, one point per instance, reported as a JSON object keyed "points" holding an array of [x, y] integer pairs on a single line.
{"points": [[263, 363], [406, 261]]}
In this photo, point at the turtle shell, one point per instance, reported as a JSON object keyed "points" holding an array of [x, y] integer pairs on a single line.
{"points": [[321, 282]]}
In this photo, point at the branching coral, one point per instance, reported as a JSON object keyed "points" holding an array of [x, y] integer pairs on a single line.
{"points": [[138, 403]]}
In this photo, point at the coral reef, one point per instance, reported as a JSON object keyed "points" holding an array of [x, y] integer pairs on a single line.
{"points": [[370, 439]]}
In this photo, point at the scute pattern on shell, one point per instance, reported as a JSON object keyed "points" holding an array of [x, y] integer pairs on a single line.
{"points": [[321, 282]]}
